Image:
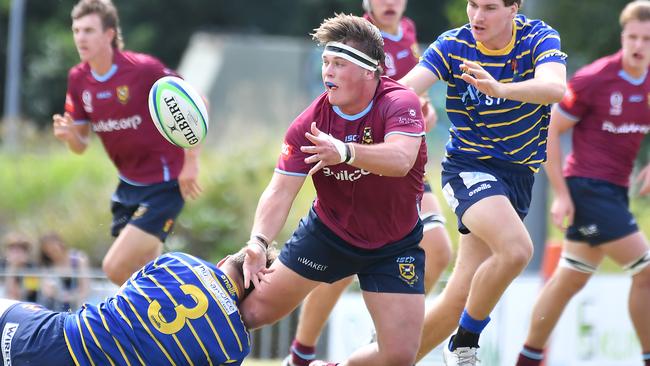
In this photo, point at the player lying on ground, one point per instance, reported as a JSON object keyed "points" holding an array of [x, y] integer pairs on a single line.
{"points": [[176, 310]]}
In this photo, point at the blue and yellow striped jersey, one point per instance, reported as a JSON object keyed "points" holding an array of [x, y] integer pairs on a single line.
{"points": [[177, 310], [484, 127]]}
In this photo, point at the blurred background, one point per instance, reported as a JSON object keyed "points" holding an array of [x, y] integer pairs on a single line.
{"points": [[255, 62]]}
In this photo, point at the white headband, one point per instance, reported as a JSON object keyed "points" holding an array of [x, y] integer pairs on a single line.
{"points": [[351, 54]]}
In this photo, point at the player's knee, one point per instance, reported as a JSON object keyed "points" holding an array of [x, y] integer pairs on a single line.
{"points": [[256, 314], [401, 355], [114, 271], [639, 266], [642, 277], [517, 257]]}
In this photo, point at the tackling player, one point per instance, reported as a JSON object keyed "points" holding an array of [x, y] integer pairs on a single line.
{"points": [[176, 310]]}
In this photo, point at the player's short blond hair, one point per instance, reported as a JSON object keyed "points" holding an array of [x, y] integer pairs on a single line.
{"points": [[354, 31], [106, 12], [635, 10], [512, 2]]}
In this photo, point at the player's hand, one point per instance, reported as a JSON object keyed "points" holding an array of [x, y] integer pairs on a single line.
{"points": [[254, 265], [476, 75], [63, 127], [326, 150], [644, 179], [188, 180], [562, 211], [429, 114]]}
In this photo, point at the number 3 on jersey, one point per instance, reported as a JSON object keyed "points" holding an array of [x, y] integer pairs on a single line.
{"points": [[182, 312]]}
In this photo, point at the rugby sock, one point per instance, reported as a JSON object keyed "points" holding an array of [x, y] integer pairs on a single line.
{"points": [[646, 358], [302, 355], [469, 331], [530, 356]]}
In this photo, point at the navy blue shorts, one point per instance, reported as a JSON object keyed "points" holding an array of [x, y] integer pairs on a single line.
{"points": [[602, 211], [33, 335], [152, 208], [465, 182], [317, 253]]}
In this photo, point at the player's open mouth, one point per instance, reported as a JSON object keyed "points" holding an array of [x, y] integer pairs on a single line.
{"points": [[637, 56], [478, 28], [390, 13], [330, 85]]}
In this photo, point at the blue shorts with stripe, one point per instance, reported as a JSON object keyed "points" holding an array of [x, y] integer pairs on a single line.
{"points": [[602, 211], [467, 181], [317, 253], [152, 208], [33, 335]]}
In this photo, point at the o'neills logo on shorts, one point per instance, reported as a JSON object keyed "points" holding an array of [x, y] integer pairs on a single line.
{"points": [[8, 334]]}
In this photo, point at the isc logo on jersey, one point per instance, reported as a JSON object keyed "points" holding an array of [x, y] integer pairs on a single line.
{"points": [[178, 111]]}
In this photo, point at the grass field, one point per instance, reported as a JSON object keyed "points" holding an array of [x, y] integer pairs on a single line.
{"points": [[255, 362]]}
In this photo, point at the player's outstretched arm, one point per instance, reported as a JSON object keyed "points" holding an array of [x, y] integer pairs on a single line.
{"points": [[270, 216], [392, 158], [419, 79], [547, 87]]}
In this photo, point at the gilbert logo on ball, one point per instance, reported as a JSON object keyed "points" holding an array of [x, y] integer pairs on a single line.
{"points": [[178, 111]]}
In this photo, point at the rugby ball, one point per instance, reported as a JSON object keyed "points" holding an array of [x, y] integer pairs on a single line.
{"points": [[178, 111]]}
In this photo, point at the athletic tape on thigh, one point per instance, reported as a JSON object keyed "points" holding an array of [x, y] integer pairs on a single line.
{"points": [[638, 265], [432, 220], [576, 264]]}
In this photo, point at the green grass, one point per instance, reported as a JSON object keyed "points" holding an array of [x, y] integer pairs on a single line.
{"points": [[255, 362]]}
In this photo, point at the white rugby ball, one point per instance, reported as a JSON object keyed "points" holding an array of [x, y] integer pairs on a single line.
{"points": [[178, 111]]}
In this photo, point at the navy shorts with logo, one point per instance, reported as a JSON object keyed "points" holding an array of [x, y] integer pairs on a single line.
{"points": [[465, 182], [601, 211], [33, 335], [152, 208], [317, 253]]}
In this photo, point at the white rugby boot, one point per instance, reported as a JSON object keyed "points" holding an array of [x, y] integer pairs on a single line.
{"points": [[461, 356]]}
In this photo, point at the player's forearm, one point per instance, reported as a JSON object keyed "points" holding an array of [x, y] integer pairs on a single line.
{"points": [[536, 91], [553, 165], [192, 154], [385, 159], [77, 144], [272, 212]]}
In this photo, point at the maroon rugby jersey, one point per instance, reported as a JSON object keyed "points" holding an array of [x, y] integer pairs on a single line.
{"points": [[116, 106], [364, 209], [401, 49], [612, 114]]}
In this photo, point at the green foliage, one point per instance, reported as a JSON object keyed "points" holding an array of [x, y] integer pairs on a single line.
{"points": [[589, 29], [163, 29], [53, 189]]}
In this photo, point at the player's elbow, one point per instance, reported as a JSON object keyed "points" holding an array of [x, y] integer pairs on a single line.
{"points": [[402, 166]]}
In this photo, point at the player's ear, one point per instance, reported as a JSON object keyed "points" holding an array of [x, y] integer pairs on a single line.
{"points": [[223, 261], [514, 9]]}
